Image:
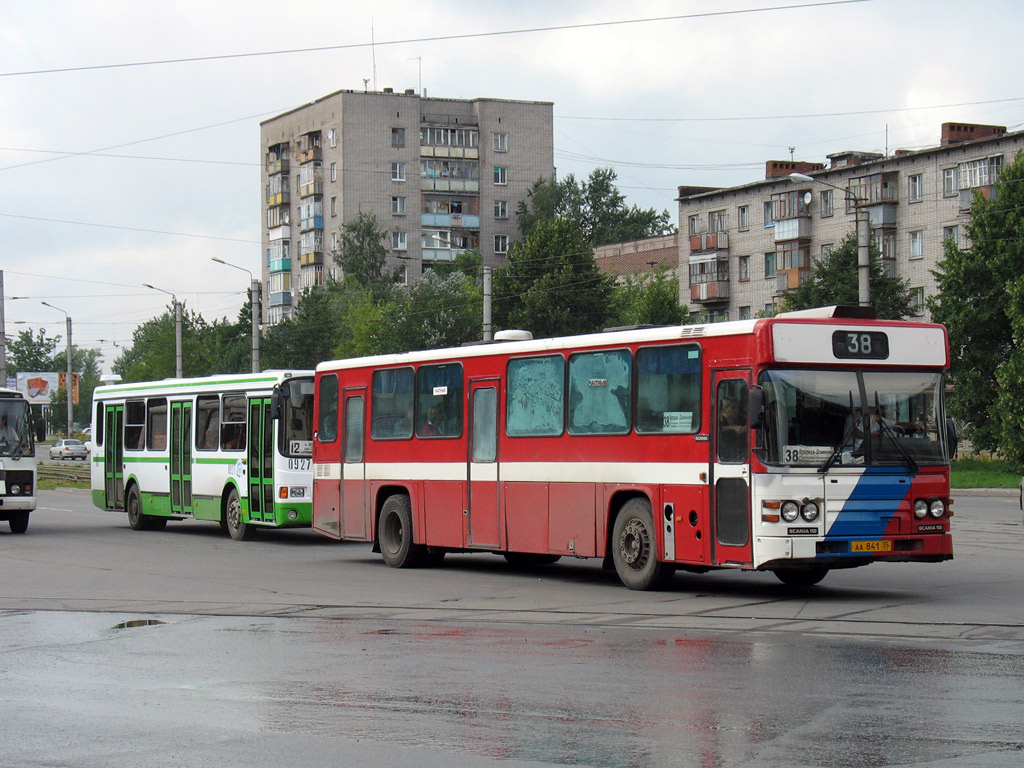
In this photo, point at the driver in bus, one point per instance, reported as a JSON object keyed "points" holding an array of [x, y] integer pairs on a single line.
{"points": [[7, 434]]}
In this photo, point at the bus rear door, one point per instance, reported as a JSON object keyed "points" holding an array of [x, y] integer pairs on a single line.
{"points": [[113, 456], [261, 460], [730, 468], [353, 468], [482, 513], [181, 458]]}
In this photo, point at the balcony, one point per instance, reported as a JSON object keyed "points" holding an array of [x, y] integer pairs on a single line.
{"points": [[468, 221], [710, 292], [793, 229], [882, 215], [449, 185], [467, 153], [282, 299], [277, 166], [277, 198], [709, 241], [279, 265], [311, 258], [310, 223], [967, 195], [310, 155], [788, 279], [312, 188], [282, 232]]}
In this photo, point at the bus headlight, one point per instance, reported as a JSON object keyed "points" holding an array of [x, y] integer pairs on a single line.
{"points": [[809, 511], [789, 511], [920, 508], [938, 509], [14, 489]]}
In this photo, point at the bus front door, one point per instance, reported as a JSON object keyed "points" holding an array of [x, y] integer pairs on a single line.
{"points": [[260, 457], [482, 511], [181, 458], [113, 456], [730, 469]]}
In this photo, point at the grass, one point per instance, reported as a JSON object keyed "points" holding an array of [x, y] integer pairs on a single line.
{"points": [[984, 473]]}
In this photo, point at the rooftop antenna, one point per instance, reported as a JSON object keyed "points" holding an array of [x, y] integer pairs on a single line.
{"points": [[419, 68], [373, 54], [791, 151], [366, 84]]}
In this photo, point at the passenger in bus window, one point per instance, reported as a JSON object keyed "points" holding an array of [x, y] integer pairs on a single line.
{"points": [[433, 426], [732, 431], [7, 433]]}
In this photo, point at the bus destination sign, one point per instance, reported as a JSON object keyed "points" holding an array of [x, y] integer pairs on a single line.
{"points": [[860, 345]]}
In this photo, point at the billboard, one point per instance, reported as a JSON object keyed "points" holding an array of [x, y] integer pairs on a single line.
{"points": [[39, 387]]}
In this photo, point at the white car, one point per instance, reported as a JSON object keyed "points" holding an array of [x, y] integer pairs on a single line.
{"points": [[69, 448]]}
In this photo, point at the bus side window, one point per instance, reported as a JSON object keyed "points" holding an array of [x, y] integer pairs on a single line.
{"points": [[732, 421], [232, 423], [156, 419], [327, 408], [535, 404], [600, 392], [135, 425], [668, 389], [207, 422]]}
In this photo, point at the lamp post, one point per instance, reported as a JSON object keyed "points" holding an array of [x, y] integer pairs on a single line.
{"points": [[70, 381], [255, 290], [863, 236], [177, 328]]}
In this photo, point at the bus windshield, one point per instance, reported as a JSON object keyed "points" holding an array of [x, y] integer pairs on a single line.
{"points": [[297, 418], [15, 431], [816, 418]]}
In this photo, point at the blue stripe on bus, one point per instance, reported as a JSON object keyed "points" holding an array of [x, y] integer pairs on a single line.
{"points": [[872, 504]]}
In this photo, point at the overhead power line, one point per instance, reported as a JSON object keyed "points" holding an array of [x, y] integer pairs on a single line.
{"points": [[130, 229], [437, 38]]}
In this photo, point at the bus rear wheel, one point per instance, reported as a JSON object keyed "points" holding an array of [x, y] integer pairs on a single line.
{"points": [[239, 531], [634, 548], [395, 533], [18, 522], [136, 519], [806, 577]]}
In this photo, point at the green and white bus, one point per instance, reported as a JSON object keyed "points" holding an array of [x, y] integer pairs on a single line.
{"points": [[230, 449]]}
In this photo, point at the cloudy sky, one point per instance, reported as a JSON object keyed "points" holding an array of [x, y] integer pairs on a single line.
{"points": [[118, 171]]}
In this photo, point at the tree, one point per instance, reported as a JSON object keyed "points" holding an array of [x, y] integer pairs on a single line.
{"points": [[308, 336], [363, 256], [31, 353], [435, 313], [551, 284], [649, 299], [151, 356], [980, 300], [596, 206], [834, 280]]}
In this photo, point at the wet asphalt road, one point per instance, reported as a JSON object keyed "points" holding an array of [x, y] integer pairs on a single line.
{"points": [[310, 653]]}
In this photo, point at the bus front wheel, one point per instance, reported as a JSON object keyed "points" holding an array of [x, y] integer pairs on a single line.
{"points": [[239, 531], [634, 548], [395, 534], [18, 522]]}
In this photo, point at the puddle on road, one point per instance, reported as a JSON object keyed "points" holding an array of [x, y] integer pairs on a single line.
{"points": [[137, 623]]}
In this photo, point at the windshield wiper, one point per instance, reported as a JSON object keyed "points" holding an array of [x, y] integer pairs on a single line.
{"points": [[846, 436], [886, 430]]}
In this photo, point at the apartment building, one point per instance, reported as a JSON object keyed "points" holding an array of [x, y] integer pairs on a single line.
{"points": [[441, 176], [745, 246]]}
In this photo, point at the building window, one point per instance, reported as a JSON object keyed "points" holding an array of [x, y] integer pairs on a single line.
{"points": [[398, 171], [334, 241], [769, 217], [917, 300], [915, 188], [693, 225], [949, 182], [744, 313], [501, 209], [501, 142], [826, 249], [769, 309], [718, 316], [398, 206], [334, 171], [399, 241], [827, 202], [334, 206], [769, 264], [332, 137], [917, 244], [501, 243], [717, 221], [743, 217], [500, 175], [793, 254], [398, 137], [744, 267], [952, 233]]}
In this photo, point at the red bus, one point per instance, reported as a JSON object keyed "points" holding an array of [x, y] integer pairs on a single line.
{"points": [[797, 444]]}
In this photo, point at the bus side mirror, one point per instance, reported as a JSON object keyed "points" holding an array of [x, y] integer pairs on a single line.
{"points": [[275, 403], [755, 403], [951, 437]]}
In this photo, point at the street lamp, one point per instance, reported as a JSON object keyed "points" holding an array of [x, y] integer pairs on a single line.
{"points": [[69, 382], [177, 328], [863, 236], [255, 290]]}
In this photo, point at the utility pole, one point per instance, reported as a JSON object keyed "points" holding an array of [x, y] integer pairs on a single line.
{"points": [[3, 335], [177, 329], [69, 382], [488, 330], [255, 296]]}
